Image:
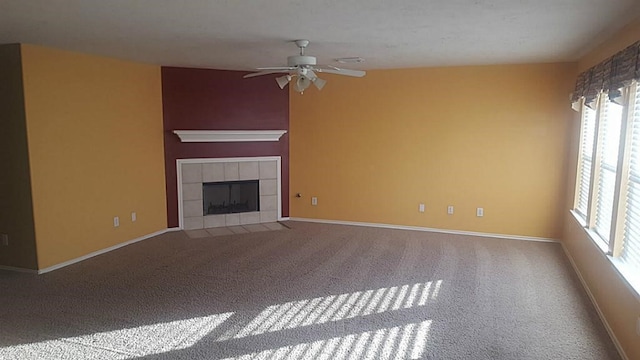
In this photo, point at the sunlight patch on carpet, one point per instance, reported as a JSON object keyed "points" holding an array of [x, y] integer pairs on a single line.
{"points": [[123, 343], [400, 342], [326, 309]]}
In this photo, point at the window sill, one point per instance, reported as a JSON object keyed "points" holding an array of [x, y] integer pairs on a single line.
{"points": [[629, 277], [597, 240]]}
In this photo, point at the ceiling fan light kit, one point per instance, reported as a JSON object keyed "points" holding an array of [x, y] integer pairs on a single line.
{"points": [[319, 83], [302, 83], [283, 81], [303, 69]]}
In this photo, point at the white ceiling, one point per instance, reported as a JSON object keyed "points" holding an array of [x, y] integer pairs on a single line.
{"points": [[244, 34]]}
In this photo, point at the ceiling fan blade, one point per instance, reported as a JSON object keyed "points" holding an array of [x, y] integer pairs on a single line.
{"points": [[287, 68], [260, 73], [339, 71]]}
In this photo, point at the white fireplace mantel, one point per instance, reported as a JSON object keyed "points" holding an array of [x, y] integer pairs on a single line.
{"points": [[228, 135]]}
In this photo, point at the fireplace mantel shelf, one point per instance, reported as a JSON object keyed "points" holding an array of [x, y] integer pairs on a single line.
{"points": [[228, 135]]}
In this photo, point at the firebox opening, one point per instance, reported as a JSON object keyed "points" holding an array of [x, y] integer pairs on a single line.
{"points": [[230, 197]]}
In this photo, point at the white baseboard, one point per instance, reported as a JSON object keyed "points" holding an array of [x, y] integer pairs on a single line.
{"points": [[613, 337], [18, 269], [103, 251], [426, 229], [88, 256]]}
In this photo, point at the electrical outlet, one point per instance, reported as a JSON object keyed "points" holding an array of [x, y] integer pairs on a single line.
{"points": [[421, 208], [450, 209], [4, 239], [134, 216], [479, 212], [314, 201], [116, 221]]}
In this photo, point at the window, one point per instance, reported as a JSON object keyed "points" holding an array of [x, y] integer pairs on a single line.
{"points": [[586, 160], [630, 252], [608, 143], [607, 197]]}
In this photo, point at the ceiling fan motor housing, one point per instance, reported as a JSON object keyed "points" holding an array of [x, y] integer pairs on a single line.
{"points": [[298, 60]]}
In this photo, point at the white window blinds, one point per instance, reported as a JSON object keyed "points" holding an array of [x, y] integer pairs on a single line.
{"points": [[585, 160], [609, 141], [630, 254]]}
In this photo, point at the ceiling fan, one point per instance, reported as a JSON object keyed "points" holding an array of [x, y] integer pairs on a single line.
{"points": [[303, 68]]}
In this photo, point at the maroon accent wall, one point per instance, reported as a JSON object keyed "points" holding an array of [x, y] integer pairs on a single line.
{"points": [[202, 99]]}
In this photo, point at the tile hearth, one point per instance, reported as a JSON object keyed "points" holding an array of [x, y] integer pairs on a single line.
{"points": [[234, 230]]}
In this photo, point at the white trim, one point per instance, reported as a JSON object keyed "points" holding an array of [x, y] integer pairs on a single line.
{"points": [[579, 218], [426, 229], [103, 251], [613, 337], [228, 135], [180, 162], [284, 219], [19, 269], [231, 159], [279, 185], [597, 240]]}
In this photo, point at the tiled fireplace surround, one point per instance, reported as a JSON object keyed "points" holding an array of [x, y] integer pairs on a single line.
{"points": [[192, 173]]}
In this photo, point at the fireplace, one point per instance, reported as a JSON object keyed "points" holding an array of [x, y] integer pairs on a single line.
{"points": [[207, 191], [230, 197]]}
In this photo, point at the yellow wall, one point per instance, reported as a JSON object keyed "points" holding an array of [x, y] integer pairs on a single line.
{"points": [[372, 149], [94, 130], [619, 304]]}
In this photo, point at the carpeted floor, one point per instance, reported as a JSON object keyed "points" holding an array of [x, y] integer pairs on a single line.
{"points": [[310, 292]]}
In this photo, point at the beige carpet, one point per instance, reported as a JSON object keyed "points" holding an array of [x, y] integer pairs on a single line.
{"points": [[310, 292]]}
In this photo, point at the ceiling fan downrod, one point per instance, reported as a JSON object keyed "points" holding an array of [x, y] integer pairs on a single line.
{"points": [[302, 44]]}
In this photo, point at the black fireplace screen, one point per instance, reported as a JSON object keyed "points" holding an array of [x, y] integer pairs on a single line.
{"points": [[230, 197]]}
